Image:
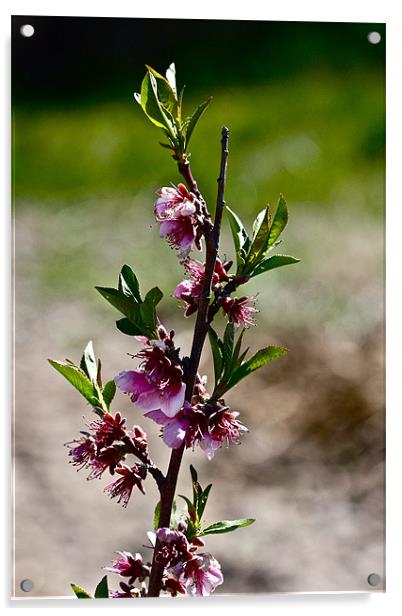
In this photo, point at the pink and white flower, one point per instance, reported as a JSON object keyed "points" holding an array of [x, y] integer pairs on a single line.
{"points": [[178, 212], [158, 385], [198, 574], [201, 575]]}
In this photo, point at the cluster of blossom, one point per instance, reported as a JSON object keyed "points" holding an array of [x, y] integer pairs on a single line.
{"points": [[186, 570], [181, 221], [158, 389], [105, 447]]}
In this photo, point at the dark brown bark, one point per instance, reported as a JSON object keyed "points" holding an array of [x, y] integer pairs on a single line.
{"points": [[212, 235]]}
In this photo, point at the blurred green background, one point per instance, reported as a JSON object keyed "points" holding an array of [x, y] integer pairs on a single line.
{"points": [[305, 104]]}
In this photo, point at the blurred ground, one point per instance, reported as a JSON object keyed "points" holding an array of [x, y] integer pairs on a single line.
{"points": [[311, 469]]}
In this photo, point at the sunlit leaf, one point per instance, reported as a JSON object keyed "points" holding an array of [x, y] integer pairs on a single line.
{"points": [[128, 283], [279, 221], [225, 526], [258, 360], [80, 593], [171, 77], [260, 237], [272, 263], [78, 379], [165, 92], [108, 392], [88, 363]]}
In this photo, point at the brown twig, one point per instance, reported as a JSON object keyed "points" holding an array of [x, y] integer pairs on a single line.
{"points": [[147, 462], [212, 235]]}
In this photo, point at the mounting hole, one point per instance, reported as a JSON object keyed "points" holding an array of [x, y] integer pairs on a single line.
{"points": [[27, 30], [373, 579], [26, 585], [374, 38]]}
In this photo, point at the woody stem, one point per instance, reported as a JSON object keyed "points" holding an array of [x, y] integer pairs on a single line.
{"points": [[212, 235]]}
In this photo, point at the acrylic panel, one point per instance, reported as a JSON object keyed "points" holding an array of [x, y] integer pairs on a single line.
{"points": [[297, 497]]}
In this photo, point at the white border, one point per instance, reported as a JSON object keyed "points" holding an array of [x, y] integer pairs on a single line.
{"points": [[295, 10]]}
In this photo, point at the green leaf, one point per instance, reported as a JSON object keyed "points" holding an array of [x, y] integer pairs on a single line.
{"points": [[227, 349], [128, 283], [126, 305], [272, 263], [165, 92], [202, 501], [80, 593], [153, 297], [88, 363], [225, 526], [240, 236], [260, 238], [194, 475], [279, 221], [148, 311], [216, 353], [175, 517], [157, 514], [128, 327], [192, 121], [191, 509], [102, 589], [108, 392], [150, 104], [236, 353], [258, 360], [78, 379]]}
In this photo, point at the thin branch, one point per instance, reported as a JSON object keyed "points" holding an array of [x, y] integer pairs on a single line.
{"points": [[146, 460], [212, 235]]}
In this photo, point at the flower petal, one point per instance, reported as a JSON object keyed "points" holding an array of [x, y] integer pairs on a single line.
{"points": [[172, 403], [132, 382], [174, 432], [158, 417]]}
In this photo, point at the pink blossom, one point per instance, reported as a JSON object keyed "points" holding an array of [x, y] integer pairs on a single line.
{"points": [[189, 291], [107, 429], [238, 312], [82, 451], [208, 424], [199, 574], [159, 384], [108, 458], [223, 425], [178, 212], [173, 547], [129, 566], [187, 426], [123, 487]]}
